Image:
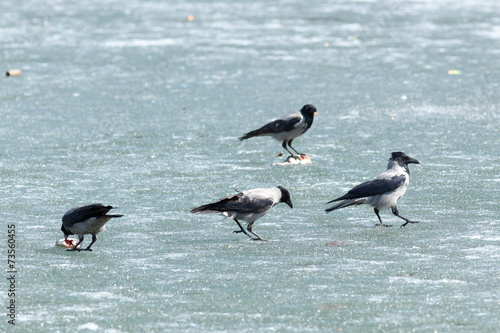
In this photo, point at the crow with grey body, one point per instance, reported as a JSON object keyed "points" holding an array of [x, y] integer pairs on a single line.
{"points": [[383, 191], [85, 220], [247, 206], [287, 128]]}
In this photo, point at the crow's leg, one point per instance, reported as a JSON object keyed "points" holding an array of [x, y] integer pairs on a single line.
{"points": [[284, 146], [381, 223], [75, 248], [94, 238], [249, 228], [290, 145], [241, 229], [396, 212]]}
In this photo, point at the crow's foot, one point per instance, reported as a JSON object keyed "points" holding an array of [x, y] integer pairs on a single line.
{"points": [[404, 224], [259, 239], [383, 225]]}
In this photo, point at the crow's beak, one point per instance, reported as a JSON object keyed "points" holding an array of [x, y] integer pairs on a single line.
{"points": [[412, 160], [315, 113], [289, 203]]}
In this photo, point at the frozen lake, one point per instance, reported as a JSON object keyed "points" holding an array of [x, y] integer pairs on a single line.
{"points": [[139, 105]]}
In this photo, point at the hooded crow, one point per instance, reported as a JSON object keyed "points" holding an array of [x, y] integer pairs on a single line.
{"points": [[85, 220], [248, 206], [287, 128], [383, 191]]}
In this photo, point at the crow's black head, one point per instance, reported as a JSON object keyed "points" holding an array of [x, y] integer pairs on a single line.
{"points": [[403, 159], [285, 196], [308, 110]]}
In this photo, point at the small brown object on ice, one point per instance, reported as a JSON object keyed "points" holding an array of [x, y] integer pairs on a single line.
{"points": [[13, 72], [336, 244]]}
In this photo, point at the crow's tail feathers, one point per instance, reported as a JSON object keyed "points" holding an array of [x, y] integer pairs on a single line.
{"points": [[248, 135], [202, 209], [264, 130], [345, 203], [244, 137], [215, 207], [218, 207]]}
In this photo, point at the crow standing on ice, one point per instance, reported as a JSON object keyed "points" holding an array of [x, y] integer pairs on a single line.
{"points": [[85, 220], [383, 191], [247, 206], [287, 128]]}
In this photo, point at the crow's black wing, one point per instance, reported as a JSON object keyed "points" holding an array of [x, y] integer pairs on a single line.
{"points": [[236, 203], [83, 213], [279, 125], [373, 187]]}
